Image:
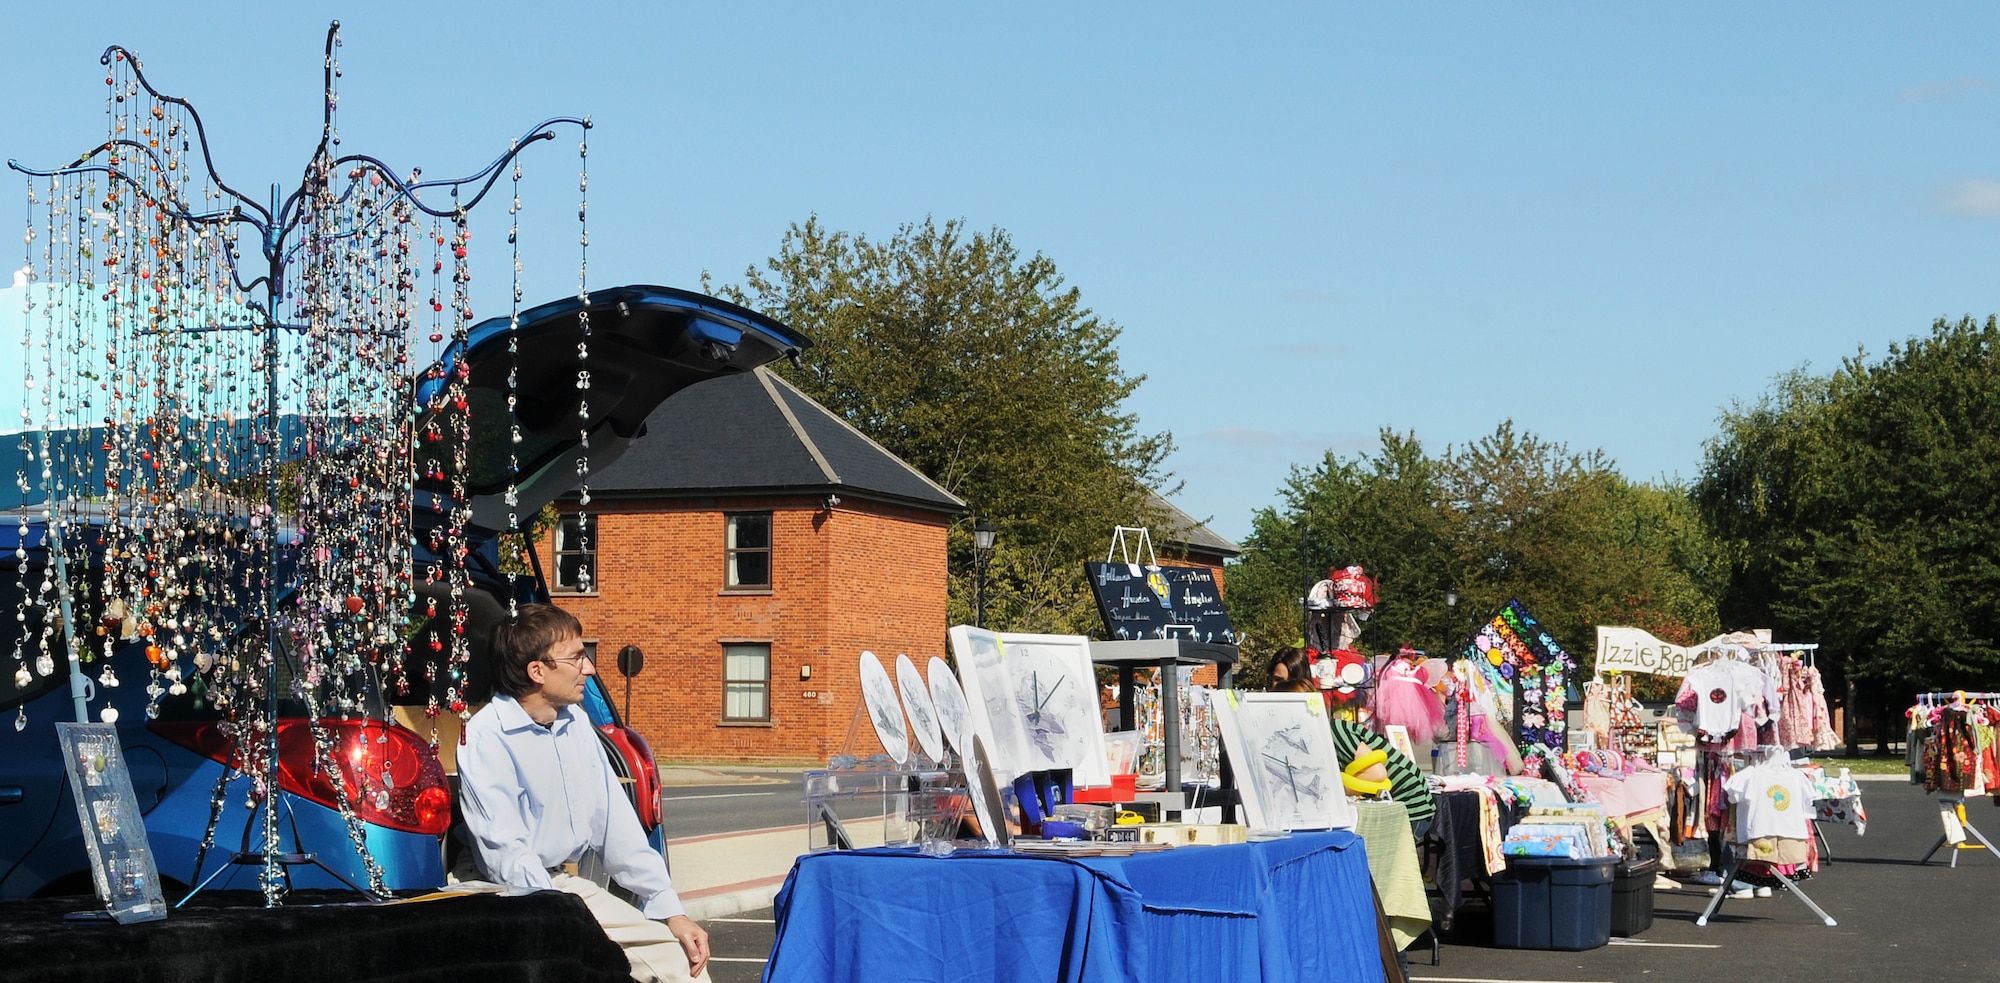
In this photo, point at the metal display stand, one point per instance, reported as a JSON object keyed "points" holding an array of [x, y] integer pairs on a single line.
{"points": [[1165, 653], [1951, 810], [1785, 883], [917, 797]]}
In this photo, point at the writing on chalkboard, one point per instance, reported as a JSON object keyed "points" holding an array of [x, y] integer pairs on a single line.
{"points": [[1166, 602]]}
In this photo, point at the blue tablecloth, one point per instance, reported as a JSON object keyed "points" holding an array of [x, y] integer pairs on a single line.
{"points": [[1291, 909]]}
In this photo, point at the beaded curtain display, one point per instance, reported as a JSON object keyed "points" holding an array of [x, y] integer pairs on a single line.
{"points": [[229, 450], [1201, 748], [1521, 660]]}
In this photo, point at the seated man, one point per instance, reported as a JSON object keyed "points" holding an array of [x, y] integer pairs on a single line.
{"points": [[538, 797]]}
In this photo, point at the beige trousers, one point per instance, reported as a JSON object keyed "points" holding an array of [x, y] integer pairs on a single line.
{"points": [[656, 956]]}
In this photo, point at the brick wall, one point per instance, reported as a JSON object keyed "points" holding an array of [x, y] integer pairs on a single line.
{"points": [[861, 576]]}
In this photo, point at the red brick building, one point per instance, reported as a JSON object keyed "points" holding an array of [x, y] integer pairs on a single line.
{"points": [[752, 545]]}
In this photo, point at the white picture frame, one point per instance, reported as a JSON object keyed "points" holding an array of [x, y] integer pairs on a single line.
{"points": [[1398, 737], [1033, 702], [1287, 769]]}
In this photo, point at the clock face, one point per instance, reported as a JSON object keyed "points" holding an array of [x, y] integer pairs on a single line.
{"points": [[917, 704], [883, 708], [1049, 700], [1033, 701], [954, 716]]}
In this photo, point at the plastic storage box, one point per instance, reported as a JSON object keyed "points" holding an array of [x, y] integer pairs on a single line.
{"points": [[1632, 898], [1553, 903]]}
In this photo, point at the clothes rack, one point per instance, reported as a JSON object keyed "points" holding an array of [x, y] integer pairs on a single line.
{"points": [[1785, 884], [1951, 808], [1951, 811]]}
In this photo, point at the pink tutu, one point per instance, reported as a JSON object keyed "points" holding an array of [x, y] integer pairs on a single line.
{"points": [[1401, 697]]}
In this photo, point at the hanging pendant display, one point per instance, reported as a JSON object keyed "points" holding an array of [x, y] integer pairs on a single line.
{"points": [[221, 424]]}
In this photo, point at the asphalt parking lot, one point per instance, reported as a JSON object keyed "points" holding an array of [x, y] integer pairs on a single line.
{"points": [[1898, 920]]}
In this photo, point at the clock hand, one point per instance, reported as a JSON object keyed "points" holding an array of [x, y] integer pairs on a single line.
{"points": [[1052, 691]]}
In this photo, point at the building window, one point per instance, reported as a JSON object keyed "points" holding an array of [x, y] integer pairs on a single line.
{"points": [[576, 554], [746, 681], [749, 547]]}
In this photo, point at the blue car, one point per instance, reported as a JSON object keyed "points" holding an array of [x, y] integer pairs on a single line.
{"points": [[647, 343]]}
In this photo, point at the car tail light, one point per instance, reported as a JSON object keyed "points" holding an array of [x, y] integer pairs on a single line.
{"points": [[645, 773], [393, 778]]}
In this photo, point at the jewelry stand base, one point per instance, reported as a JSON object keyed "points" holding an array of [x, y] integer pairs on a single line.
{"points": [[285, 860]]}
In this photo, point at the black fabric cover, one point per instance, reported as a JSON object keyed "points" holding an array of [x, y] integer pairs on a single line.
{"points": [[229, 936]]}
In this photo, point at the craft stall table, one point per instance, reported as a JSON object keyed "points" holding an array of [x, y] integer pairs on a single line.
{"points": [[1392, 860], [1297, 908], [1636, 800], [230, 935], [1461, 850]]}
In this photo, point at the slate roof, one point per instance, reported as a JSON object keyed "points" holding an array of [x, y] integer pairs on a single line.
{"points": [[754, 433], [1182, 530]]}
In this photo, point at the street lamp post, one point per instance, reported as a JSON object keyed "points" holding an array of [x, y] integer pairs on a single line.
{"points": [[1450, 616], [982, 551]]}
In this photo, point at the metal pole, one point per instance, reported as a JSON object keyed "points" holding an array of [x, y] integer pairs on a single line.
{"points": [[1170, 724], [274, 290], [978, 587], [1305, 611]]}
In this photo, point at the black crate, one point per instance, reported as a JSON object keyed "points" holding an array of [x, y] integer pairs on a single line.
{"points": [[1632, 897]]}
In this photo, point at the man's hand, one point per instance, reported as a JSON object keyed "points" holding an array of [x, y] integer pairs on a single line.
{"points": [[694, 942]]}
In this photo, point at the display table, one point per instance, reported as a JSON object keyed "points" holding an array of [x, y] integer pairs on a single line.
{"points": [[1291, 909], [1460, 845], [229, 935], [1392, 860]]}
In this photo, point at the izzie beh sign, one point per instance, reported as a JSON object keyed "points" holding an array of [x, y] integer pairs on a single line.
{"points": [[1633, 650]]}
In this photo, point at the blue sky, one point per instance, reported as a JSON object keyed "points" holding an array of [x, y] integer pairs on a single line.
{"points": [[1604, 222]]}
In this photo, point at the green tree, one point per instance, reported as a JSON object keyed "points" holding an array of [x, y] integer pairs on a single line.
{"points": [[1862, 510], [985, 371], [1508, 516]]}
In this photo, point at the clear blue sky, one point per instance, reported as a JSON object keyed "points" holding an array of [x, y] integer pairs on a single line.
{"points": [[1603, 221]]}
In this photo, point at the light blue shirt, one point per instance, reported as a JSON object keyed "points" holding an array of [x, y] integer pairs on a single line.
{"points": [[537, 797]]}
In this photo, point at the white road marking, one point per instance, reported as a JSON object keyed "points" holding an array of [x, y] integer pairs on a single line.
{"points": [[744, 921], [734, 959], [1666, 945], [1484, 979], [723, 795]]}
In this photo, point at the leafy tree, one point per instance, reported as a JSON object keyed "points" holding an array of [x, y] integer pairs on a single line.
{"points": [[1508, 516], [983, 370], [1860, 510]]}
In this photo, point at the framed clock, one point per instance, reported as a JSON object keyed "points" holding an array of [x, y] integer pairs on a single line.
{"points": [[1286, 767], [1033, 702]]}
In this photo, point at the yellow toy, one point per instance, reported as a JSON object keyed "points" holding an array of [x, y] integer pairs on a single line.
{"points": [[1367, 774]]}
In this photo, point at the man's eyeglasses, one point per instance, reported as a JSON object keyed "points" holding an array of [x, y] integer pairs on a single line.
{"points": [[576, 660]]}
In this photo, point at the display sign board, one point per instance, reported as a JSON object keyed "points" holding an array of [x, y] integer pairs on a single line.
{"points": [[121, 861], [1634, 650], [1140, 602]]}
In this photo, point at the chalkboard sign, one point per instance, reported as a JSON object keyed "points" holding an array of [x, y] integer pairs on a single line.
{"points": [[1139, 602]]}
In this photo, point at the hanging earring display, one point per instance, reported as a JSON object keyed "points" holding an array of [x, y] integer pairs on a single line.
{"points": [[222, 433]]}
